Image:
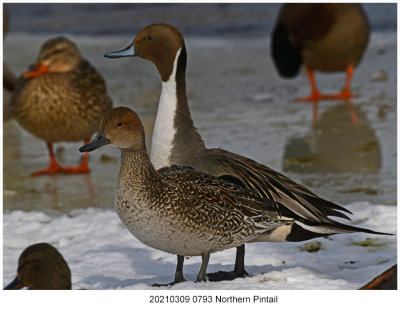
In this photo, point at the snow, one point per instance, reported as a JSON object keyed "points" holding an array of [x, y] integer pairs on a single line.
{"points": [[102, 254]]}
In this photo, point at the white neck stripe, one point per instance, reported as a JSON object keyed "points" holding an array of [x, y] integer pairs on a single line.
{"points": [[164, 131]]}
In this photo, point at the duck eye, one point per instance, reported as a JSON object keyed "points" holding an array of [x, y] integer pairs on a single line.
{"points": [[150, 38], [119, 124]]}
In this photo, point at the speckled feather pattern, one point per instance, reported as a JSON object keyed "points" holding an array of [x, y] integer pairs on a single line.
{"points": [[181, 211], [62, 106]]}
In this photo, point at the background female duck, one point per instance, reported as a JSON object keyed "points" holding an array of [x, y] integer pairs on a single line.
{"points": [[62, 99], [327, 37]]}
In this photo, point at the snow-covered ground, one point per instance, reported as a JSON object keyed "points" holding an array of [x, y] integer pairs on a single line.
{"points": [[102, 254], [242, 90]]}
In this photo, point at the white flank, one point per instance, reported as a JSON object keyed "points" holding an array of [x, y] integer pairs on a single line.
{"points": [[164, 131]]}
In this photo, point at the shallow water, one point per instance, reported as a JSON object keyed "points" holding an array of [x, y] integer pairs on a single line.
{"points": [[239, 103]]}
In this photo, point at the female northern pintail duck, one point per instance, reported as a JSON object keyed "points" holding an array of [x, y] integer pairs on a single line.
{"points": [[185, 212], [177, 209], [327, 37], [41, 267], [64, 99], [176, 141]]}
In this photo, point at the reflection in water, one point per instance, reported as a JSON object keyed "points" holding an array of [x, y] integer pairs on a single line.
{"points": [[335, 145], [352, 112], [52, 188], [22, 154]]}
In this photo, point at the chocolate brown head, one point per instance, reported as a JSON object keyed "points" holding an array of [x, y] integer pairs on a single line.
{"points": [[120, 127], [158, 43], [42, 267]]}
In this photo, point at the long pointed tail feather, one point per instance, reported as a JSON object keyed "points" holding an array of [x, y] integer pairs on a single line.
{"points": [[301, 231]]}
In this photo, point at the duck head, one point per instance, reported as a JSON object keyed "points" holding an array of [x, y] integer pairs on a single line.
{"points": [[56, 55], [158, 43], [41, 267], [120, 127]]}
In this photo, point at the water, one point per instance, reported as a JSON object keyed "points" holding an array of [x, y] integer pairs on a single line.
{"points": [[237, 100], [207, 19]]}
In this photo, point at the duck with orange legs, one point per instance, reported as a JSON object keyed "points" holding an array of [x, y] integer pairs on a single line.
{"points": [[61, 99], [326, 37]]}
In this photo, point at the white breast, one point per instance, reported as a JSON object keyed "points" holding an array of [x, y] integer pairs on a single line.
{"points": [[164, 131]]}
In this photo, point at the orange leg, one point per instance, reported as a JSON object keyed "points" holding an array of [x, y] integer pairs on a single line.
{"points": [[315, 94], [353, 114], [55, 168], [83, 168], [346, 93]]}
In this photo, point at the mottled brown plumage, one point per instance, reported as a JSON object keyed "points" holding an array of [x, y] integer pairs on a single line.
{"points": [[176, 141], [186, 212], [66, 100], [42, 267], [177, 209]]}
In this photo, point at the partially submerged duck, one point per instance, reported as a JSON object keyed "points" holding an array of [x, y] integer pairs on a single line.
{"points": [[63, 99], [41, 267]]}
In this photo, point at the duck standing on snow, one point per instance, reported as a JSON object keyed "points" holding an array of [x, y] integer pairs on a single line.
{"points": [[327, 37], [177, 209], [63, 99], [41, 267], [185, 212], [176, 141]]}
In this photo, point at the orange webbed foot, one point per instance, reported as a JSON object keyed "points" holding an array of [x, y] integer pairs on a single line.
{"points": [[62, 170], [57, 169], [81, 169], [52, 169], [314, 97]]}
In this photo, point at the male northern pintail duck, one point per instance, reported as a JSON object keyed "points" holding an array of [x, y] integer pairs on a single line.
{"points": [[176, 141], [64, 99], [177, 209], [41, 267], [185, 212], [327, 37]]}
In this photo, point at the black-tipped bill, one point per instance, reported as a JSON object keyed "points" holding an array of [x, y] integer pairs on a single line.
{"points": [[14, 285], [127, 52], [98, 141]]}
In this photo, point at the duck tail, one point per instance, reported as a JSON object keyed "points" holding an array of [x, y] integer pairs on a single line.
{"points": [[307, 230], [286, 55]]}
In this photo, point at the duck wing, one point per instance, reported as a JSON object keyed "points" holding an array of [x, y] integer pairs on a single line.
{"points": [[268, 183]]}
